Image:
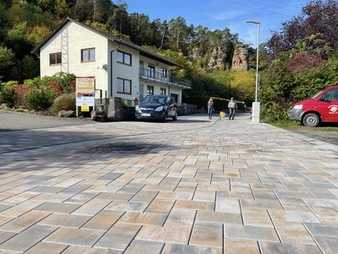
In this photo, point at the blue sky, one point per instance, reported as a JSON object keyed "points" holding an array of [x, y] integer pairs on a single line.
{"points": [[216, 14]]}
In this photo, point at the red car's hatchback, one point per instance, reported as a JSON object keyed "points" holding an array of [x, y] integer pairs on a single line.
{"points": [[323, 107]]}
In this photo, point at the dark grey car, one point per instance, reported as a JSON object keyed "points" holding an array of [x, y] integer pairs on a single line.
{"points": [[156, 107]]}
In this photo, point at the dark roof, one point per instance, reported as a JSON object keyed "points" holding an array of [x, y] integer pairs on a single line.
{"points": [[143, 51]]}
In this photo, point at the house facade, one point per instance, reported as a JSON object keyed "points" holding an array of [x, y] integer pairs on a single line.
{"points": [[120, 68]]}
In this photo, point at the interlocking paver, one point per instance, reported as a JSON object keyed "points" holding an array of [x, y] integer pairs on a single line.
{"points": [[276, 248], [188, 249], [24, 221], [118, 237], [252, 185], [207, 234], [51, 248], [65, 220], [144, 247], [103, 220], [240, 247], [74, 236], [27, 239], [87, 250]]}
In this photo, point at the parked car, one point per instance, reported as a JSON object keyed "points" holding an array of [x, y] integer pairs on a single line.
{"points": [[323, 107], [156, 107]]}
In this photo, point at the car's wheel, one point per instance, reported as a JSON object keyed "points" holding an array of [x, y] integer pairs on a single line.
{"points": [[311, 120]]}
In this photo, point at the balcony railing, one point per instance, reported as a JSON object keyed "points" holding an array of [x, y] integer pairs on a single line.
{"points": [[160, 76]]}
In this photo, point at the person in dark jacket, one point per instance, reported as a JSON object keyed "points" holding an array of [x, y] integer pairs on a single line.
{"points": [[210, 108]]}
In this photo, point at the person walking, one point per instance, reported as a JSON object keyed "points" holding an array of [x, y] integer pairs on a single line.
{"points": [[210, 108], [232, 109]]}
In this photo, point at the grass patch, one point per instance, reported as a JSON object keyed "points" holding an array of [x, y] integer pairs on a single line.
{"points": [[294, 125]]}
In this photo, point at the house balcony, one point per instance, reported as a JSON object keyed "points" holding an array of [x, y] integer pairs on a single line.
{"points": [[165, 78]]}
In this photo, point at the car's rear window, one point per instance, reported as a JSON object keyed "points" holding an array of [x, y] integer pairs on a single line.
{"points": [[154, 99]]}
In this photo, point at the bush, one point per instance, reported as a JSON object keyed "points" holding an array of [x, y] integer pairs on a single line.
{"points": [[8, 96], [63, 102], [9, 84], [39, 99]]}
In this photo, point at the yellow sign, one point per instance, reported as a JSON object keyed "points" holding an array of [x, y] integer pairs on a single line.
{"points": [[84, 108]]}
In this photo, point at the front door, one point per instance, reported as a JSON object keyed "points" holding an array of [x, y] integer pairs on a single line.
{"points": [[329, 106]]}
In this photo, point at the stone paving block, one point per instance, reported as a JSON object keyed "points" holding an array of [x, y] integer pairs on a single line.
{"points": [[80, 198], [237, 232], [27, 238], [57, 207], [176, 195], [170, 232], [217, 217], [160, 206], [24, 221], [181, 216], [47, 248], [4, 220], [123, 205], [65, 220], [144, 247], [226, 205], [259, 203], [20, 209], [240, 247], [198, 205], [188, 249], [207, 196], [277, 248], [144, 196], [4, 236], [103, 220], [319, 229], [92, 207], [329, 245], [294, 233], [87, 250], [118, 237], [75, 236], [256, 217], [115, 196], [207, 234], [144, 218]]}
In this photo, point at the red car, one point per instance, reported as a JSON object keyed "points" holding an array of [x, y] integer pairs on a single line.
{"points": [[323, 107]]}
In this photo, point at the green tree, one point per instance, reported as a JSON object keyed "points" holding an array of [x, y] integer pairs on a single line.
{"points": [[6, 58]]}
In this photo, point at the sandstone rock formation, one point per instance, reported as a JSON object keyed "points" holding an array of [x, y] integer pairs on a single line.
{"points": [[217, 58], [240, 58]]}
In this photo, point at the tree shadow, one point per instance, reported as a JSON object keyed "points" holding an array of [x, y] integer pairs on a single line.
{"points": [[43, 150]]}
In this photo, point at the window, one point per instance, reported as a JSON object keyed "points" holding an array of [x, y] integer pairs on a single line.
{"points": [[123, 86], [150, 90], [88, 55], [124, 58], [174, 97], [164, 73], [163, 91], [331, 95], [55, 58], [151, 71]]}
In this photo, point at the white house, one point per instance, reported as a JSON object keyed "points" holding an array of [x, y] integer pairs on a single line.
{"points": [[120, 68]]}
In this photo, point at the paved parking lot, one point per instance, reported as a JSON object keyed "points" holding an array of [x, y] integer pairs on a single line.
{"points": [[179, 187]]}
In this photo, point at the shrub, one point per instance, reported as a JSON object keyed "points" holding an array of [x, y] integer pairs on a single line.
{"points": [[8, 96], [39, 99], [9, 84], [63, 102]]}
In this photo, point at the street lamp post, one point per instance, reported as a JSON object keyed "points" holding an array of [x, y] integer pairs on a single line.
{"points": [[256, 104]]}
